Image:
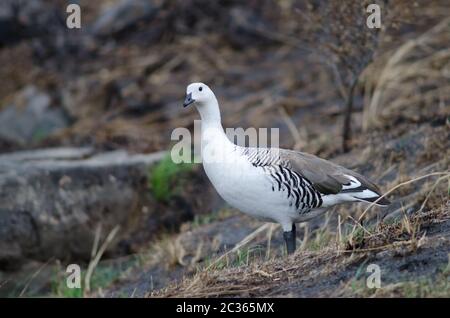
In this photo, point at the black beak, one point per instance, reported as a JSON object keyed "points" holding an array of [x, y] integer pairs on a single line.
{"points": [[188, 100]]}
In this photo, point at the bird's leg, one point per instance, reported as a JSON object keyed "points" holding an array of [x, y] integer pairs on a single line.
{"points": [[290, 239]]}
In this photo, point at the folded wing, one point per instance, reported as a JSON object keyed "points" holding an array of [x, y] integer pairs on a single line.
{"points": [[331, 179]]}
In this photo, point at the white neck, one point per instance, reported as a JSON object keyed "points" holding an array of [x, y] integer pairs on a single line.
{"points": [[210, 112], [212, 130]]}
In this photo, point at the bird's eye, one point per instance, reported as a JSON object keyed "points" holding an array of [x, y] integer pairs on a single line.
{"points": [[200, 88]]}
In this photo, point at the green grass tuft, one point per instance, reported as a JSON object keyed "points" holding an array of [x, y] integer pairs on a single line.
{"points": [[166, 177]]}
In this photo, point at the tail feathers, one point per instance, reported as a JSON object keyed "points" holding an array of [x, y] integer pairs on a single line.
{"points": [[382, 202], [368, 195], [365, 195], [363, 190]]}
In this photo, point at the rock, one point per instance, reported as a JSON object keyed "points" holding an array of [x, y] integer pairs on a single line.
{"points": [[246, 27], [30, 118], [129, 94], [25, 19], [52, 201], [43, 154], [126, 14], [19, 284], [11, 30]]}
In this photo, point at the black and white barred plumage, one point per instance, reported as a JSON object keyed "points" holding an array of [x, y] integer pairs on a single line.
{"points": [[307, 178], [299, 190]]}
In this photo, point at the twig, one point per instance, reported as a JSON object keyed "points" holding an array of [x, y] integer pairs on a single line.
{"points": [[269, 239], [339, 231], [305, 236], [396, 187], [93, 263], [357, 223], [291, 126], [377, 248], [346, 128], [431, 191], [242, 243], [34, 276], [98, 232]]}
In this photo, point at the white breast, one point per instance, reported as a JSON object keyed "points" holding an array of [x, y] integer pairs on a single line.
{"points": [[246, 187]]}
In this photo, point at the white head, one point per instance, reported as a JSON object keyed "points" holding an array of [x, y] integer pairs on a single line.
{"points": [[204, 100]]}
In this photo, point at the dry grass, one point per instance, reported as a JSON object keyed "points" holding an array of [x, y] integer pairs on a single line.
{"points": [[408, 230], [410, 80], [266, 278], [443, 176], [97, 254]]}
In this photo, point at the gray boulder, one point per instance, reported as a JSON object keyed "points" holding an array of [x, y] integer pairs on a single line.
{"points": [[30, 118], [124, 15], [52, 201], [246, 27], [23, 19]]}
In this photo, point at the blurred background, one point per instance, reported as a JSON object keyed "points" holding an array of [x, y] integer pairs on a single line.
{"points": [[86, 117]]}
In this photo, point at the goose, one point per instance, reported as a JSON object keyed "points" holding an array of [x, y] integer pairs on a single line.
{"points": [[271, 184]]}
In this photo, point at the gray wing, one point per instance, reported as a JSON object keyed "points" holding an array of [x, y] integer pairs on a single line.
{"points": [[326, 177]]}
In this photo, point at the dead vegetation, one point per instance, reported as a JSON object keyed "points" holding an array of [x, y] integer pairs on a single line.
{"points": [[270, 278], [127, 94], [126, 91], [411, 81]]}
